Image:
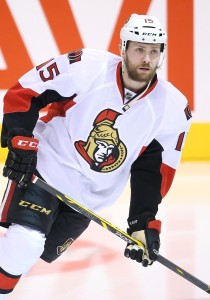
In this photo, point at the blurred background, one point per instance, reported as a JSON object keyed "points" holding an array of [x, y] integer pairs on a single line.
{"points": [[33, 31]]}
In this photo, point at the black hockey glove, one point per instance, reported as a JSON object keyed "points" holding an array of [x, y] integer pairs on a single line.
{"points": [[148, 235], [21, 161]]}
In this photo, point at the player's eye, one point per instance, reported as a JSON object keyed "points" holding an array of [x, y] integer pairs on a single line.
{"points": [[154, 51], [140, 50]]}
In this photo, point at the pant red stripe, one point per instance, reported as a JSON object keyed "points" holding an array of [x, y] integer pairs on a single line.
{"points": [[8, 201], [7, 281]]}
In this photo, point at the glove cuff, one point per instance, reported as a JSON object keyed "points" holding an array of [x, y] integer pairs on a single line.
{"points": [[154, 224], [19, 132]]}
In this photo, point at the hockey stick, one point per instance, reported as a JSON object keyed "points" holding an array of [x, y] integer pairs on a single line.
{"points": [[121, 234]]}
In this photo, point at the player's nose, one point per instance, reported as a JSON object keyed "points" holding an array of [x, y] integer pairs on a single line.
{"points": [[147, 58]]}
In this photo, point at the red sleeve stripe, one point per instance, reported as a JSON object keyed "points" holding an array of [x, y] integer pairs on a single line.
{"points": [[8, 281], [7, 200], [155, 224], [119, 80], [18, 99], [167, 178], [58, 109], [142, 150]]}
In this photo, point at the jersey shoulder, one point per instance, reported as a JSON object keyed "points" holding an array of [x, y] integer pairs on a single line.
{"points": [[173, 94], [91, 66], [92, 60], [85, 61], [100, 55], [99, 60], [177, 111]]}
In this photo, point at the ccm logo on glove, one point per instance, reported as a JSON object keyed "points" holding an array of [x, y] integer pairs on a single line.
{"points": [[21, 160], [27, 144]]}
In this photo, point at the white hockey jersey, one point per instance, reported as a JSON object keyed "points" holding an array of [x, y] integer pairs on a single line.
{"points": [[90, 141]]}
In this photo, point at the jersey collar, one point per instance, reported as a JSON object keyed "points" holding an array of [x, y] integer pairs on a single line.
{"points": [[120, 84]]}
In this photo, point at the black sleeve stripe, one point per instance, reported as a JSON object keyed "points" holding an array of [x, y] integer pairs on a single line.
{"points": [[28, 119], [146, 181]]}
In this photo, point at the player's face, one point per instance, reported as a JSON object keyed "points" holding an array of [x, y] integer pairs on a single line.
{"points": [[141, 61]]}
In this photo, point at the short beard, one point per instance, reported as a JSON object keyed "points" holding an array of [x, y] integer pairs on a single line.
{"points": [[134, 75]]}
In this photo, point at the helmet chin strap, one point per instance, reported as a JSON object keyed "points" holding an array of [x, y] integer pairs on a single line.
{"points": [[123, 62]]}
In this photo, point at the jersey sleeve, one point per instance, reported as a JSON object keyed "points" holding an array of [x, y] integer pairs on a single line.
{"points": [[153, 171], [145, 181], [58, 80]]}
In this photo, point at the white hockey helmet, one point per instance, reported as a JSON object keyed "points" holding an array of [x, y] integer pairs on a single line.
{"points": [[144, 29]]}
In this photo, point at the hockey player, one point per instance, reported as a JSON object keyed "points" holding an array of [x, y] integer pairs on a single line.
{"points": [[109, 118]]}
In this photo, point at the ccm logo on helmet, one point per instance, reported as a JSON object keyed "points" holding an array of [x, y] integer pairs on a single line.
{"points": [[149, 33]]}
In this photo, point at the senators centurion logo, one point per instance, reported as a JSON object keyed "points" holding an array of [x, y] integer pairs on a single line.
{"points": [[103, 150]]}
